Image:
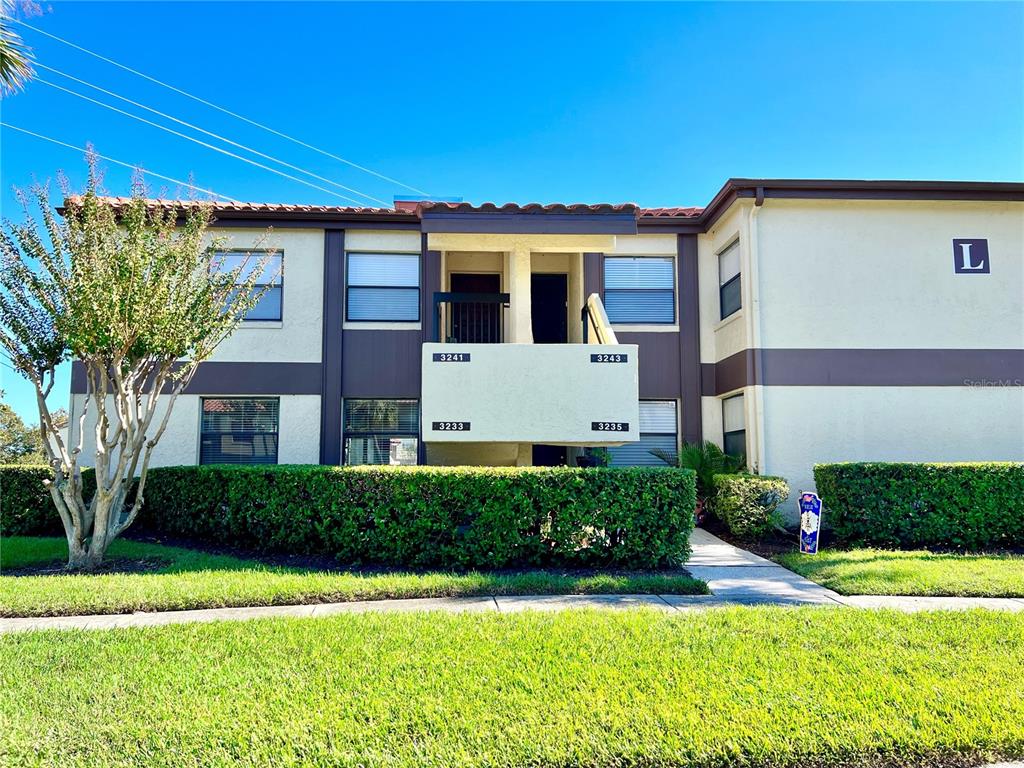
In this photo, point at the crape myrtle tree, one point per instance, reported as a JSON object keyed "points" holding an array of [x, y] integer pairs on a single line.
{"points": [[136, 292]]}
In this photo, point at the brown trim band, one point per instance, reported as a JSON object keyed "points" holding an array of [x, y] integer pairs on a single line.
{"points": [[216, 378], [864, 368]]}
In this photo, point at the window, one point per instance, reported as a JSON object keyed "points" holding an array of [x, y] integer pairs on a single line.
{"points": [[734, 419], [269, 306], [383, 287], [381, 431], [729, 298], [238, 431], [657, 433], [640, 289]]}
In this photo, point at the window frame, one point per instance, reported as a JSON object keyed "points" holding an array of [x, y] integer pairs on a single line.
{"points": [[276, 433], [734, 432], [280, 277], [728, 283], [347, 433], [674, 288], [418, 289], [674, 434]]}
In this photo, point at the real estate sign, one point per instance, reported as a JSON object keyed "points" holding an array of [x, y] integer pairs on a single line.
{"points": [[810, 522]]}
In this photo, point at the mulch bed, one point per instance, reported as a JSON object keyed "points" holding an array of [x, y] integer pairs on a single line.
{"points": [[115, 565]]}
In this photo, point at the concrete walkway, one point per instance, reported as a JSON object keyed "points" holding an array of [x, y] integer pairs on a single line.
{"points": [[735, 577]]}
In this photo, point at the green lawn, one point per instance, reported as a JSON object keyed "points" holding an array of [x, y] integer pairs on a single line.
{"points": [[883, 572], [191, 579], [738, 686]]}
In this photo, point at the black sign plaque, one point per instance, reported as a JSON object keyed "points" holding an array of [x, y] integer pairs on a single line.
{"points": [[451, 357], [450, 426], [609, 426], [609, 357]]}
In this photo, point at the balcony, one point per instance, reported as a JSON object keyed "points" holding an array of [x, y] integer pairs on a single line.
{"points": [[477, 389]]}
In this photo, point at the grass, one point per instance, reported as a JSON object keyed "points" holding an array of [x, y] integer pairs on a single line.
{"points": [[185, 579], [761, 687], [883, 572]]}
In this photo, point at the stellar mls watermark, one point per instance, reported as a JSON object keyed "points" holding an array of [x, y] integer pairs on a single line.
{"points": [[994, 382]]}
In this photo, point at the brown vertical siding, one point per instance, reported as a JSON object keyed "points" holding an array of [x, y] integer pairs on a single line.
{"points": [[658, 360], [381, 364], [689, 337], [330, 398]]}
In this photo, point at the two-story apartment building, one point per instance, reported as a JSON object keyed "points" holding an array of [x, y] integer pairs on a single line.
{"points": [[792, 321]]}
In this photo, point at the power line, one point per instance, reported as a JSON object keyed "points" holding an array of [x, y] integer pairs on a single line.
{"points": [[210, 133], [222, 109], [185, 136], [117, 162]]}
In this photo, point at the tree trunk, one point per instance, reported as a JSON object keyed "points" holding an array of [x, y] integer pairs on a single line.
{"points": [[87, 548]]}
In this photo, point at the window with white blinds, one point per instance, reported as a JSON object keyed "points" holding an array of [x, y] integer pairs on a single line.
{"points": [[734, 421], [640, 289], [381, 431], [271, 277], [236, 430], [657, 433], [729, 297], [383, 287]]}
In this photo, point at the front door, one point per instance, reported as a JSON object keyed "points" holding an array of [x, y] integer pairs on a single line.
{"points": [[548, 308]]}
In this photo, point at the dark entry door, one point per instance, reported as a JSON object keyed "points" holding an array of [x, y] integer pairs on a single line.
{"points": [[548, 308], [475, 322], [549, 455]]}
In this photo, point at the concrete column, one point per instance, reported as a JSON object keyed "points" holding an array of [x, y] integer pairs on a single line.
{"points": [[524, 457], [520, 326]]}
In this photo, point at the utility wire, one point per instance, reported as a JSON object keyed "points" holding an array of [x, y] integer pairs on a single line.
{"points": [[117, 162], [214, 135], [197, 141], [222, 109]]}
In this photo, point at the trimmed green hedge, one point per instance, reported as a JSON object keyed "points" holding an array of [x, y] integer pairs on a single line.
{"points": [[433, 516], [26, 508], [976, 506], [748, 504]]}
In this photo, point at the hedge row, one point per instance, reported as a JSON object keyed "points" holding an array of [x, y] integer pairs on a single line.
{"points": [[748, 504], [432, 516], [26, 508], [978, 506]]}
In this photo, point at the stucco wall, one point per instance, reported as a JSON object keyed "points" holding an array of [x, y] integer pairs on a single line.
{"points": [[474, 454], [808, 425], [879, 274], [721, 338], [297, 337], [298, 431], [539, 393]]}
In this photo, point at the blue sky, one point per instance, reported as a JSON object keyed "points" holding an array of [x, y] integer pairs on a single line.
{"points": [[656, 104]]}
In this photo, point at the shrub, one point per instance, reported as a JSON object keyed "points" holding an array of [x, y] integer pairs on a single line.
{"points": [[748, 504], [26, 508], [961, 506], [433, 516]]}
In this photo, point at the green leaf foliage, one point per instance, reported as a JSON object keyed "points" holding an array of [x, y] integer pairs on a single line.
{"points": [[969, 507], [26, 508], [427, 516], [748, 504]]}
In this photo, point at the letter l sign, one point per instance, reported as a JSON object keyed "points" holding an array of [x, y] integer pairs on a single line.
{"points": [[970, 256]]}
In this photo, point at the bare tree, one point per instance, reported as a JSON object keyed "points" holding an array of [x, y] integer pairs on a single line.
{"points": [[137, 293]]}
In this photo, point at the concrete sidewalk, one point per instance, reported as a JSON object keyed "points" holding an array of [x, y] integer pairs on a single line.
{"points": [[735, 577]]}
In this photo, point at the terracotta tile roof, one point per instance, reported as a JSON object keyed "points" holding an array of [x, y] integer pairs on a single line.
{"points": [[408, 207], [233, 206], [431, 205], [671, 213]]}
